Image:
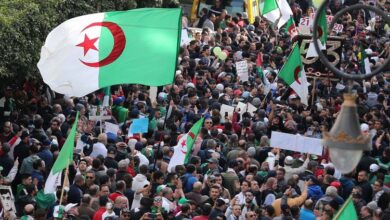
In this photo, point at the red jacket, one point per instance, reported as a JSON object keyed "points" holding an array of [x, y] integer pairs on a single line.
{"points": [[99, 213]]}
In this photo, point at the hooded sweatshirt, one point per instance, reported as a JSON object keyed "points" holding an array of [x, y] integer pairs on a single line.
{"points": [[314, 192], [139, 182]]}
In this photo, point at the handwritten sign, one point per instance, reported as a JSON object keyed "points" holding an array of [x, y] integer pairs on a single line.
{"points": [[242, 70]]}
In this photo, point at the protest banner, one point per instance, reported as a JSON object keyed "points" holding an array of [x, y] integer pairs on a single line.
{"points": [[296, 143]]}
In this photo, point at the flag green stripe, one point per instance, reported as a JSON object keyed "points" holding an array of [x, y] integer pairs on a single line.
{"points": [[294, 60], [347, 211], [152, 44], [269, 5], [66, 153], [323, 24], [190, 141]]}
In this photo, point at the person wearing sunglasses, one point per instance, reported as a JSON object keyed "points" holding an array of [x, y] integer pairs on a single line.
{"points": [[250, 215], [125, 214]]}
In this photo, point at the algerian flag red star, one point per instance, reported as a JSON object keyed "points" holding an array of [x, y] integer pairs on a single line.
{"points": [[94, 51]]}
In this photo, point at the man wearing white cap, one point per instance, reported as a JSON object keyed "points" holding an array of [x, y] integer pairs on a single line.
{"points": [[288, 161]]}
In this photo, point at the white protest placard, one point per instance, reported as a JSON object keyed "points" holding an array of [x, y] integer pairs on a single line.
{"points": [[242, 70], [338, 28], [296, 143], [185, 40], [111, 128], [241, 108], [7, 200], [304, 26], [251, 109], [226, 108], [100, 117]]}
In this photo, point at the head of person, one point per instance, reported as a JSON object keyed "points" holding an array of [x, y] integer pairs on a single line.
{"points": [[378, 185], [249, 197], [104, 190], [215, 192], [90, 178], [362, 176]]}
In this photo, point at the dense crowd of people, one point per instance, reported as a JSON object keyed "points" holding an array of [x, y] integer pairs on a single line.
{"points": [[232, 173]]}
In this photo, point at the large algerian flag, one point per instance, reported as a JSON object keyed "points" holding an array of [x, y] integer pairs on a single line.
{"points": [[347, 211], [294, 75], [183, 149], [276, 11], [94, 51], [263, 78], [64, 158]]}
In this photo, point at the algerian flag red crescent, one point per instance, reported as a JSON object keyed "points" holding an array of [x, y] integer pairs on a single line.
{"points": [[294, 75], [94, 51], [183, 149]]}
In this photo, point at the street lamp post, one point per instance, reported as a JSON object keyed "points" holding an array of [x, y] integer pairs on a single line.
{"points": [[345, 141]]}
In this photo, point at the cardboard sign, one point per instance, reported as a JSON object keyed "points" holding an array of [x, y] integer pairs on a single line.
{"points": [[111, 128], [242, 70]]}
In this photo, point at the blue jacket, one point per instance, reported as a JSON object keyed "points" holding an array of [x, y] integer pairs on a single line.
{"points": [[190, 182], [314, 192]]}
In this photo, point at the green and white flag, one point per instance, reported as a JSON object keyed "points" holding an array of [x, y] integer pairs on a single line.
{"points": [[183, 149], [107, 96], [291, 29], [294, 75], [64, 158], [94, 51], [347, 211], [322, 28], [276, 11], [364, 61]]}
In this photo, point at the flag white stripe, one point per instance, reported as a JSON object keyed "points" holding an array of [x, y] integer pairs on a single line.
{"points": [[301, 89], [286, 12], [178, 156], [53, 180]]}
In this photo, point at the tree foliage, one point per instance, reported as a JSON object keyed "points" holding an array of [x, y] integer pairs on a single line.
{"points": [[24, 25]]}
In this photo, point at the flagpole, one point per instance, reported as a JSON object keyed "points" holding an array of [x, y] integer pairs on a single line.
{"points": [[63, 183], [342, 208]]}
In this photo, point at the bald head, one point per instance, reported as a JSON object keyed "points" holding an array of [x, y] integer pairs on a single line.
{"points": [[28, 209], [197, 186]]}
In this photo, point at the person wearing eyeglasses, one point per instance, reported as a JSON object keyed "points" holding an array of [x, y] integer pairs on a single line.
{"points": [[250, 215]]}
